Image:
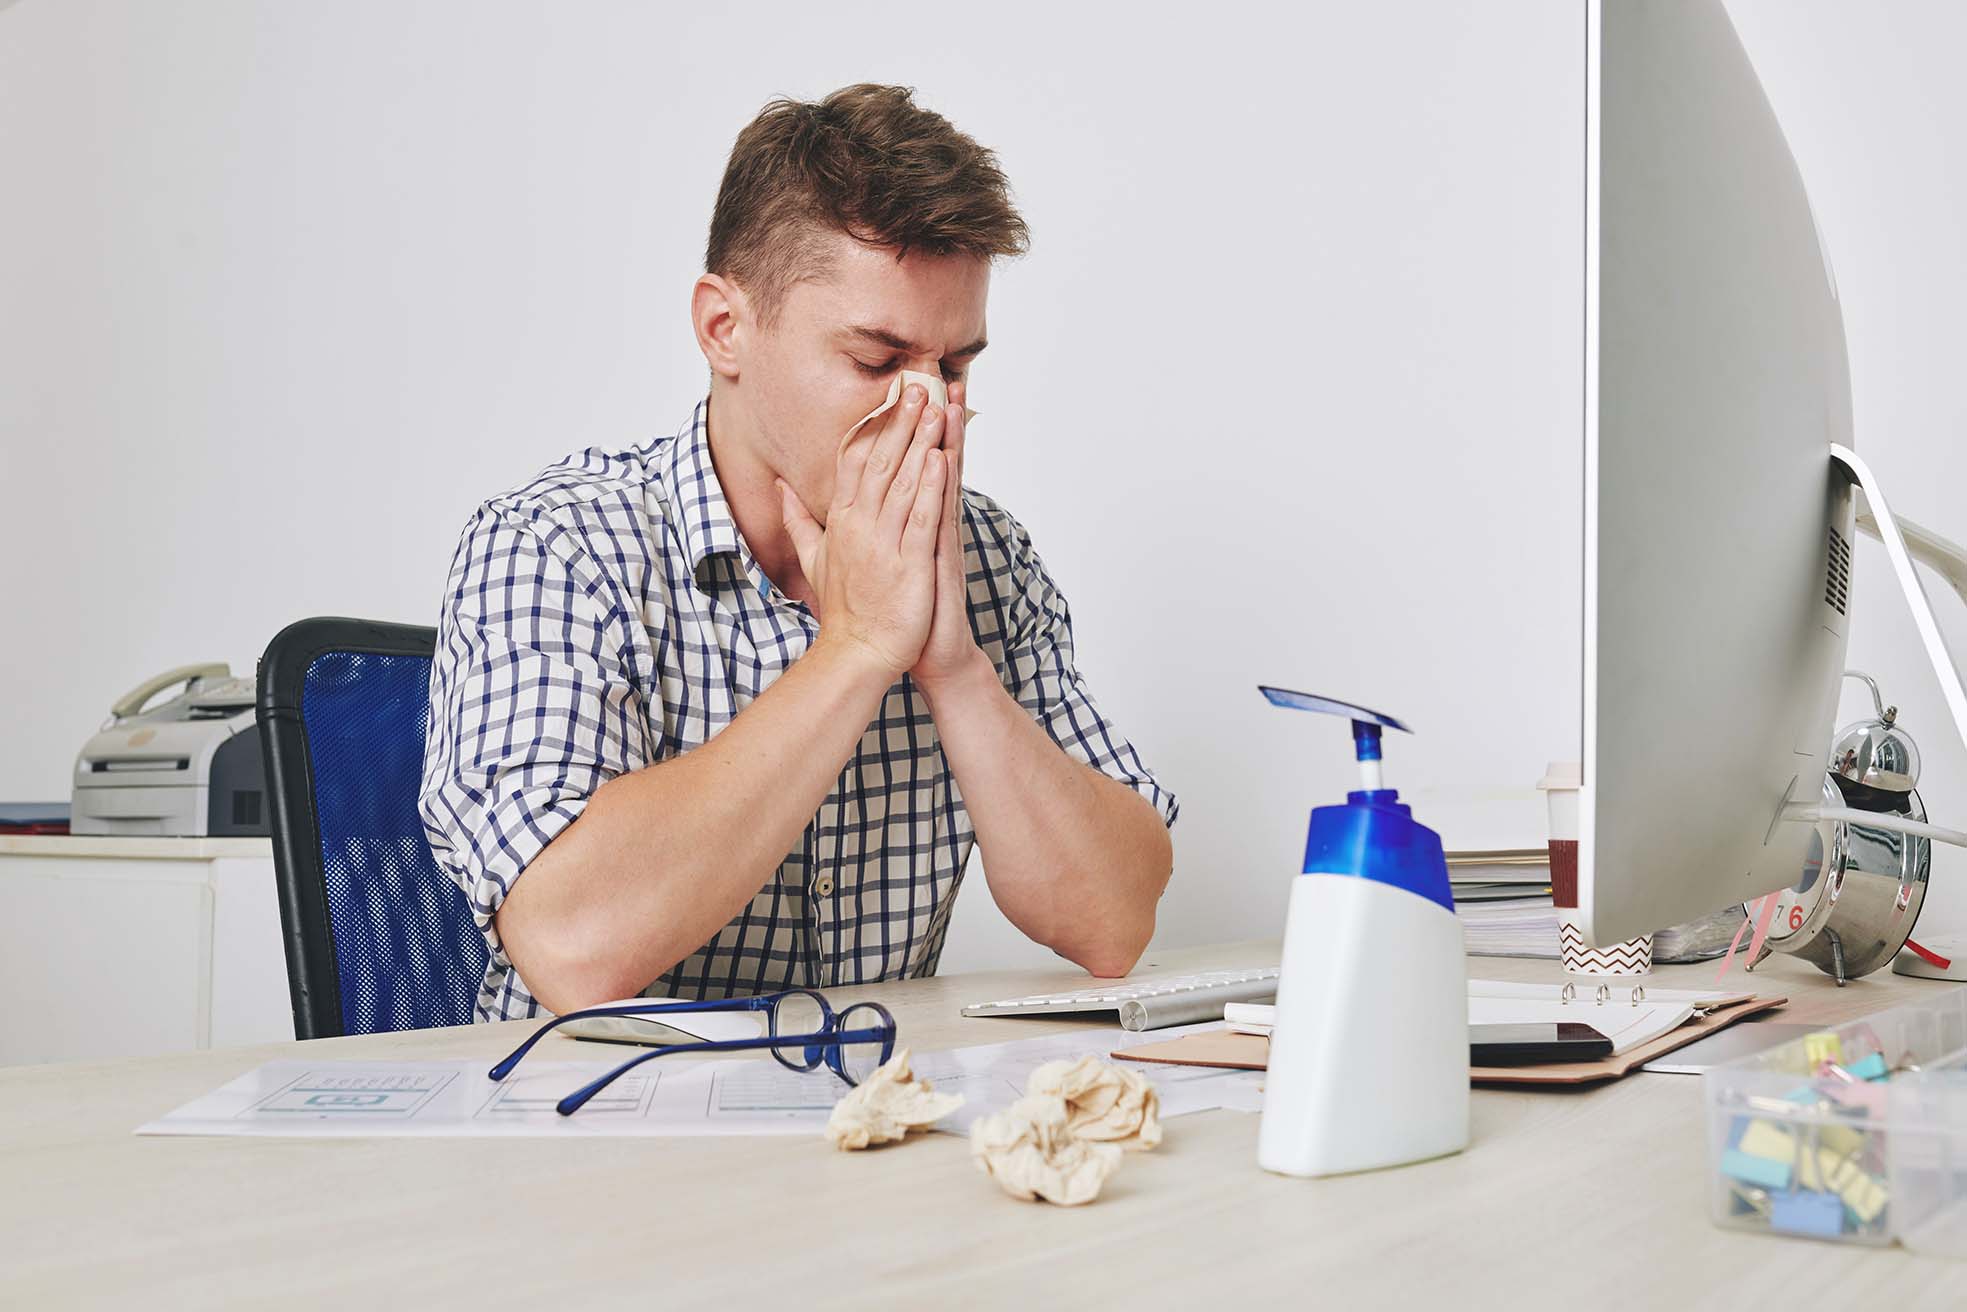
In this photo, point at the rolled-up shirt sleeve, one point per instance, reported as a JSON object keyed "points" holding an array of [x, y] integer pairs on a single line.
{"points": [[1039, 670], [533, 704]]}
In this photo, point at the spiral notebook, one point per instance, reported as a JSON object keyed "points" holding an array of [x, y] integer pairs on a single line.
{"points": [[1627, 1013]]}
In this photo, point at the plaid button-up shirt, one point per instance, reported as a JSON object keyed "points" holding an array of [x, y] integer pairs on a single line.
{"points": [[608, 616]]}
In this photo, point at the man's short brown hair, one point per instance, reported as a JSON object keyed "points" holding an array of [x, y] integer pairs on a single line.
{"points": [[866, 161]]}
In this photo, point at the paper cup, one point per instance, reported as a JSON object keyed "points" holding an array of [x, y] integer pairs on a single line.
{"points": [[1560, 785]]}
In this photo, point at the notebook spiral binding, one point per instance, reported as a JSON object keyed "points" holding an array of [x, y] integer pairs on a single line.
{"points": [[1569, 993]]}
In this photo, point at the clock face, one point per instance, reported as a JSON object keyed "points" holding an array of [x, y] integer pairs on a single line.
{"points": [[1795, 903]]}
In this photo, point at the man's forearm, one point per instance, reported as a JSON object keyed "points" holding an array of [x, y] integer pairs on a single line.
{"points": [[663, 858], [1074, 859]]}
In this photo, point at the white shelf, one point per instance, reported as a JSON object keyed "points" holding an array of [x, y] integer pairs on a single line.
{"points": [[140, 849]]}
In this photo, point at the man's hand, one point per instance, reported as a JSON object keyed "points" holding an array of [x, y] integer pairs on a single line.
{"points": [[872, 569], [952, 646]]}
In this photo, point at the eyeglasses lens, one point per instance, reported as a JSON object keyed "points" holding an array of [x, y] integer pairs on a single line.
{"points": [[859, 1060]]}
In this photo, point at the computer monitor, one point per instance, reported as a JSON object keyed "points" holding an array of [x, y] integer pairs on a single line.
{"points": [[1717, 533]]}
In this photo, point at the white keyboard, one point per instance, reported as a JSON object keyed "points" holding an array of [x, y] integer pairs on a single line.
{"points": [[1147, 1004]]}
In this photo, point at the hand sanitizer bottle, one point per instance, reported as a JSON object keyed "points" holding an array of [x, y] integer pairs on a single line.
{"points": [[1369, 1051]]}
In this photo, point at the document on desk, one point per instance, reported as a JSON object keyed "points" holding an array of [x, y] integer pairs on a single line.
{"points": [[664, 1097]]}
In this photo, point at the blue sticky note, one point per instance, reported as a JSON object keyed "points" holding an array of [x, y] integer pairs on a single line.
{"points": [[1807, 1212], [1869, 1068], [1750, 1169]]}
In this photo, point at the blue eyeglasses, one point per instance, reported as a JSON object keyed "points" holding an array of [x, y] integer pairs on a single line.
{"points": [[801, 1030]]}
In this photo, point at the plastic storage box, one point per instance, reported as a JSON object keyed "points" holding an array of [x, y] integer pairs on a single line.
{"points": [[1857, 1133]]}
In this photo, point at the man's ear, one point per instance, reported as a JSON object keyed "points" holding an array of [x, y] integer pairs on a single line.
{"points": [[722, 316]]}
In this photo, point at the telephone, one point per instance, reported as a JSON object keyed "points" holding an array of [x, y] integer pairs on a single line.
{"points": [[188, 766]]}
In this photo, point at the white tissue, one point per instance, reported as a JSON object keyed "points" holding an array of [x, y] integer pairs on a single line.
{"points": [[932, 383]]}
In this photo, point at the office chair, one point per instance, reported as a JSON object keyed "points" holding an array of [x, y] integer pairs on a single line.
{"points": [[377, 938]]}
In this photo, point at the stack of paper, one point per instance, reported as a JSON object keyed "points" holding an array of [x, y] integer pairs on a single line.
{"points": [[1503, 900], [1699, 940], [1525, 927]]}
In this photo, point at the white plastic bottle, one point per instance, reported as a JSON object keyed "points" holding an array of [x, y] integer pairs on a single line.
{"points": [[1369, 1051]]}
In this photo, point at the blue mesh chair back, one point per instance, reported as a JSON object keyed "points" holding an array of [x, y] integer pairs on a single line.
{"points": [[377, 938]]}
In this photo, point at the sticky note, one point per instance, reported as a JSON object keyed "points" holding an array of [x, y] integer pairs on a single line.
{"points": [[1766, 1139], [1750, 1169], [1870, 1068], [1822, 1046], [1807, 1212]]}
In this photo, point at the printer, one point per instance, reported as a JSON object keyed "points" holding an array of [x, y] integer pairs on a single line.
{"points": [[187, 767]]}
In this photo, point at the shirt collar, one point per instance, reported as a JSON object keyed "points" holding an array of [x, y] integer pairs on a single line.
{"points": [[696, 497]]}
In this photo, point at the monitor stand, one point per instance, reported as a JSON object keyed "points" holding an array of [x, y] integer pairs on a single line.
{"points": [[1906, 542]]}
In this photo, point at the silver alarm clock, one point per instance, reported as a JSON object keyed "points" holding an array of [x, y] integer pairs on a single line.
{"points": [[1856, 902]]}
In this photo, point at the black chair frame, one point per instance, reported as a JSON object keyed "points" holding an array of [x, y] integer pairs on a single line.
{"points": [[313, 979]]}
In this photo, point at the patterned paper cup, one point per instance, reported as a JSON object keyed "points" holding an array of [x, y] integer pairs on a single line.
{"points": [[1632, 957], [1560, 785]]}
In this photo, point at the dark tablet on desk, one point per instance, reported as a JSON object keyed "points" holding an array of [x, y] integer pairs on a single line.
{"points": [[1534, 1045]]}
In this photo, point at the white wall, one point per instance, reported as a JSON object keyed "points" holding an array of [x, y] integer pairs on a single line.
{"points": [[285, 290]]}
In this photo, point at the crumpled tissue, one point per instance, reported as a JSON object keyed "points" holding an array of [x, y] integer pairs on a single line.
{"points": [[885, 1106], [1063, 1139]]}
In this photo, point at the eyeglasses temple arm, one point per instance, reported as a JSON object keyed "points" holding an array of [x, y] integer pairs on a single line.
{"points": [[504, 1068], [574, 1101]]}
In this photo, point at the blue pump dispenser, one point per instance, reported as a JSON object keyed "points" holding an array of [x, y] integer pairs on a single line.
{"points": [[1374, 835], [1372, 984]]}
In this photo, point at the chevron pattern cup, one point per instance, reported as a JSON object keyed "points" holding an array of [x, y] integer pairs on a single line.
{"points": [[1634, 956]]}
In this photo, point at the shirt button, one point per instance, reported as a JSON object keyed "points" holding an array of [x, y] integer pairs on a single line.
{"points": [[824, 885]]}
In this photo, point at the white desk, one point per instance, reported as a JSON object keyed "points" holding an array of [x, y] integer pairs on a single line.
{"points": [[129, 947], [1561, 1193]]}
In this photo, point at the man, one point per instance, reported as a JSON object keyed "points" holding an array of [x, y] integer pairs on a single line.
{"points": [[737, 703]]}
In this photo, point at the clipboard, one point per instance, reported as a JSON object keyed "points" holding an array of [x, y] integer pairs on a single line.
{"points": [[1251, 1052]]}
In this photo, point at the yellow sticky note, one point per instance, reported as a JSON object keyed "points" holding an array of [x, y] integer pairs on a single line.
{"points": [[1768, 1140], [1824, 1045], [1840, 1139]]}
